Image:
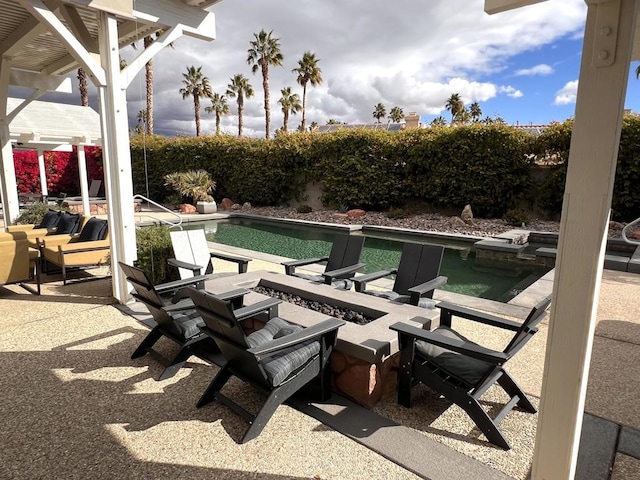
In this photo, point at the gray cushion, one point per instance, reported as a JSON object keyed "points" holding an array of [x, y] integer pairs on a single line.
{"points": [[94, 229], [279, 366], [470, 370], [396, 297], [342, 283], [189, 323]]}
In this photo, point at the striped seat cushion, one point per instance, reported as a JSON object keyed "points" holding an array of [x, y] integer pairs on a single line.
{"points": [[396, 297], [189, 323], [281, 365], [341, 283]]}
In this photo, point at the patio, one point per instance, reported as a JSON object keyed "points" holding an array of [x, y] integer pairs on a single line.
{"points": [[79, 406]]}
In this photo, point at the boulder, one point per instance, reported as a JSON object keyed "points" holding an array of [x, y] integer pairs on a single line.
{"points": [[226, 204], [187, 208], [246, 205], [467, 215], [236, 206], [457, 222], [356, 213]]}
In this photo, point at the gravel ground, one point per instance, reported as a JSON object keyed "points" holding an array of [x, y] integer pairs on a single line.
{"points": [[426, 221]]}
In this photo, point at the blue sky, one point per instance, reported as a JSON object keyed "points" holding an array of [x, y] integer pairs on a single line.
{"points": [[522, 65]]}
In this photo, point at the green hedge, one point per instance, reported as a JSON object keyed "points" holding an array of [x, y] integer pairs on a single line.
{"points": [[485, 165]]}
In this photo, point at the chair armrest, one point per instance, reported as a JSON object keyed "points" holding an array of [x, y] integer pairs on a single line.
{"points": [[184, 304], [79, 247], [232, 294], [305, 335], [290, 266], [464, 348], [196, 269], [449, 310], [270, 304], [418, 291], [242, 262], [361, 281], [54, 240], [177, 284], [344, 272]]}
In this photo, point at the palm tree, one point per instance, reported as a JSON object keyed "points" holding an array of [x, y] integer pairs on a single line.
{"points": [[290, 102], [396, 114], [148, 68], [439, 121], [455, 105], [240, 88], [379, 112], [142, 118], [82, 85], [220, 107], [475, 111], [638, 71], [196, 86], [308, 72], [264, 51]]}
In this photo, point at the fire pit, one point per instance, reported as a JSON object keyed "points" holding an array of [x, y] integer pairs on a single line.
{"points": [[365, 361]]}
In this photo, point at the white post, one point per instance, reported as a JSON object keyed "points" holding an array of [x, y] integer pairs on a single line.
{"points": [[116, 155], [82, 172], [8, 186], [43, 174], [583, 230]]}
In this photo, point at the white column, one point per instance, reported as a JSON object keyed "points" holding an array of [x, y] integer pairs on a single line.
{"points": [[9, 188], [117, 156], [43, 173], [583, 230], [82, 172]]}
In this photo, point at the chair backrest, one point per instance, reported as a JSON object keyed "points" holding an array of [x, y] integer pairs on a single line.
{"points": [[191, 246], [345, 251], [94, 188], [418, 264], [528, 327], [147, 294]]}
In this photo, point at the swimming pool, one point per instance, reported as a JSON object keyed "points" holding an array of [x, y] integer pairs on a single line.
{"points": [[495, 281]]}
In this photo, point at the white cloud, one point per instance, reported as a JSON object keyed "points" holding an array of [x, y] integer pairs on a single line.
{"points": [[510, 91], [567, 94], [541, 69], [402, 53]]}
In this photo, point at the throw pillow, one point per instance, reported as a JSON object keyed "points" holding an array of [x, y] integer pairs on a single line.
{"points": [[94, 229], [50, 219], [69, 223]]}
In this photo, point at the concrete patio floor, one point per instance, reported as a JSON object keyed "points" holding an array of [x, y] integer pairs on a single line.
{"points": [[77, 406]]}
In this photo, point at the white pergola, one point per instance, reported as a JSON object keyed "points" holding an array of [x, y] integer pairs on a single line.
{"points": [[47, 126], [40, 39]]}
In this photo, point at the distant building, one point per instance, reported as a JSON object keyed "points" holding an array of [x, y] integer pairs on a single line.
{"points": [[410, 121]]}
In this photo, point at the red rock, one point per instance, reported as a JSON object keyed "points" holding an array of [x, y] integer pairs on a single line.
{"points": [[187, 208], [356, 213], [226, 204], [362, 383]]}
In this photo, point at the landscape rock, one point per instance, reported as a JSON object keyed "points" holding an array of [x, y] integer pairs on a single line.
{"points": [[457, 222], [236, 206], [226, 204], [467, 215], [187, 208], [246, 205], [356, 213]]}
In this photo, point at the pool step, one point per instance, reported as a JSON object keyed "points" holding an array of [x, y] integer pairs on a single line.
{"points": [[612, 261]]}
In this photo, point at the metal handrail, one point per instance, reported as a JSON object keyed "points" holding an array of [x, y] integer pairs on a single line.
{"points": [[177, 224], [627, 227]]}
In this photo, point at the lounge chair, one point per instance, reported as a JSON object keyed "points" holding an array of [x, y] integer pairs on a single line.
{"points": [[278, 360], [192, 255], [47, 226], [417, 276], [461, 370], [342, 263], [87, 249], [175, 318]]}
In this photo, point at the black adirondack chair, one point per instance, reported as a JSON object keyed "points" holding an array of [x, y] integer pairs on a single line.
{"points": [[461, 370], [176, 318], [277, 360], [342, 263], [417, 276]]}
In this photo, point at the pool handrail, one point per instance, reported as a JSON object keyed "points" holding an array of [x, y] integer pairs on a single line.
{"points": [[177, 224], [627, 227]]}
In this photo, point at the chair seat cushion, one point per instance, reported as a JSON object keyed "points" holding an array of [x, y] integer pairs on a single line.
{"points": [[189, 323], [396, 297], [279, 366], [470, 370]]}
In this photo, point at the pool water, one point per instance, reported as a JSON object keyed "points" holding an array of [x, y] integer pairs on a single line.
{"points": [[497, 282]]}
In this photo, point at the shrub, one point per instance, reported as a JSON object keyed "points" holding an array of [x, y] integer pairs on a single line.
{"points": [[516, 217], [196, 185], [397, 213], [304, 209], [154, 249], [34, 213]]}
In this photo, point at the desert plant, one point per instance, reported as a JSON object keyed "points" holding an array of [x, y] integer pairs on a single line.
{"points": [[516, 217], [397, 213], [194, 184], [304, 209]]}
